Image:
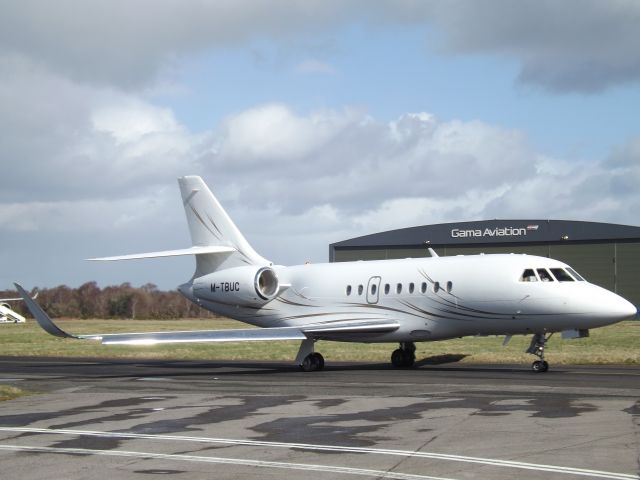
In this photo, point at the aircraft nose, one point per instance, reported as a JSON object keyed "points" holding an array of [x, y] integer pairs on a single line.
{"points": [[623, 310], [608, 307]]}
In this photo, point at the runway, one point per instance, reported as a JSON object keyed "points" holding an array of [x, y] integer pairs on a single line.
{"points": [[136, 419]]}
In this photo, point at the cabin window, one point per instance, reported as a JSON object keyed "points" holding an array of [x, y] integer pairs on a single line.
{"points": [[575, 274], [399, 288], [360, 289], [561, 275], [411, 287], [449, 286], [423, 287], [436, 287], [387, 287], [528, 276], [348, 289], [374, 289]]}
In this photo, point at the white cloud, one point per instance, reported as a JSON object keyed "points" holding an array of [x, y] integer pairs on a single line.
{"points": [[130, 122], [94, 166], [308, 178], [127, 43], [65, 140], [568, 46], [274, 133]]}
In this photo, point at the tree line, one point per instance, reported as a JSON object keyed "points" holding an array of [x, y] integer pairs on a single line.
{"points": [[122, 301]]}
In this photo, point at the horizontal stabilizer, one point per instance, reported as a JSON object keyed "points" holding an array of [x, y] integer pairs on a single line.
{"points": [[206, 250], [34, 295]]}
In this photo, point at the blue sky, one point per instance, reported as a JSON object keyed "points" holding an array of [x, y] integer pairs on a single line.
{"points": [[312, 121], [388, 72]]}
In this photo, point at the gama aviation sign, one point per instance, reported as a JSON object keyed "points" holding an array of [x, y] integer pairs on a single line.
{"points": [[493, 232]]}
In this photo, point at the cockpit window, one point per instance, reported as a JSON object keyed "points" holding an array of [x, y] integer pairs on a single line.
{"points": [[545, 276], [575, 274], [561, 275], [529, 276]]}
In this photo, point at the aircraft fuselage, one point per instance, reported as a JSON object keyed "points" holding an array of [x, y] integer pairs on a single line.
{"points": [[431, 298]]}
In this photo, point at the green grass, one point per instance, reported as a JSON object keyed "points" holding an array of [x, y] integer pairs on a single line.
{"points": [[8, 393], [616, 344]]}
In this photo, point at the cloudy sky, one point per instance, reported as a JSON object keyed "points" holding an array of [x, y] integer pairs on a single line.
{"points": [[312, 121]]}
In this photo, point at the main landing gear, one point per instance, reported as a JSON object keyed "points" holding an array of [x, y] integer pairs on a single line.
{"points": [[537, 348], [405, 356], [312, 362], [309, 360]]}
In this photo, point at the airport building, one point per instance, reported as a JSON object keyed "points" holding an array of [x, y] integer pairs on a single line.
{"points": [[605, 254]]}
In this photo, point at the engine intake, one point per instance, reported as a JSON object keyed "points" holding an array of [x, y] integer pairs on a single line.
{"points": [[266, 283]]}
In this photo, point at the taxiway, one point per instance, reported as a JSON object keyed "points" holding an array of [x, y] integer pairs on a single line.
{"points": [[133, 419]]}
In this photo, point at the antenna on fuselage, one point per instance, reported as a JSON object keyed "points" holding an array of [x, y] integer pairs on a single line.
{"points": [[432, 252]]}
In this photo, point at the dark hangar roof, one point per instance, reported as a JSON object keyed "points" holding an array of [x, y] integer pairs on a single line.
{"points": [[496, 231]]}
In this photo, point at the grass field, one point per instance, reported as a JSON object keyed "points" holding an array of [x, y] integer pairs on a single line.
{"points": [[616, 344], [9, 393]]}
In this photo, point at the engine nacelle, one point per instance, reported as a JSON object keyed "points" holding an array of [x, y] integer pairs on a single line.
{"points": [[238, 286], [5, 305]]}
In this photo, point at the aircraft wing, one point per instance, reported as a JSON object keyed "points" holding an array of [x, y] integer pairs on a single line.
{"points": [[233, 335]]}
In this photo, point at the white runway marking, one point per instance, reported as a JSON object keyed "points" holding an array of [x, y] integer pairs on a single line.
{"points": [[337, 448], [227, 461], [154, 379]]}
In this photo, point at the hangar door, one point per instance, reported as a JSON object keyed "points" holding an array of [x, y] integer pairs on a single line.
{"points": [[628, 271]]}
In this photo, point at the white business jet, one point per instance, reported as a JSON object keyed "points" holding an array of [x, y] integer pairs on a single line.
{"points": [[7, 314], [399, 301]]}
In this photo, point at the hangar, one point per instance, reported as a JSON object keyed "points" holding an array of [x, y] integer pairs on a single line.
{"points": [[605, 254]]}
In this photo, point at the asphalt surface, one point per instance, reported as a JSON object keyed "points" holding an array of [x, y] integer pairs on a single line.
{"points": [[140, 419]]}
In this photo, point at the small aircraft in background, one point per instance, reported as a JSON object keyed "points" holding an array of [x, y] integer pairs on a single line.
{"points": [[386, 301], [7, 314]]}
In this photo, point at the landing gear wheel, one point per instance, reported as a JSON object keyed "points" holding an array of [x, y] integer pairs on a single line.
{"points": [[536, 348], [540, 366], [402, 358], [312, 363], [397, 358], [319, 359]]}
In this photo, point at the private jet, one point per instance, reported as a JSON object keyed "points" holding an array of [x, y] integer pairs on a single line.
{"points": [[7, 314], [388, 301]]}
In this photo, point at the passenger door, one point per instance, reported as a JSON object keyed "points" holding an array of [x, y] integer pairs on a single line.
{"points": [[373, 290]]}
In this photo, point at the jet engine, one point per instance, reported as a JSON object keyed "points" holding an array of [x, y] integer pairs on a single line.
{"points": [[245, 286]]}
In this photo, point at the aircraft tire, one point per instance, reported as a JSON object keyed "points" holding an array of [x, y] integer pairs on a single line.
{"points": [[540, 366], [397, 358], [307, 364], [319, 360], [312, 363], [402, 358], [410, 359]]}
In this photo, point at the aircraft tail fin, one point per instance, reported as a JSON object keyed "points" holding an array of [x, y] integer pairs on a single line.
{"points": [[210, 225]]}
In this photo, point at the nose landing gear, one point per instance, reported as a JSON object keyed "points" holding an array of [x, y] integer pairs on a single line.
{"points": [[405, 356], [537, 348]]}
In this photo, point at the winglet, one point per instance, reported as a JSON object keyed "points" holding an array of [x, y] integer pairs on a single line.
{"points": [[41, 317]]}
